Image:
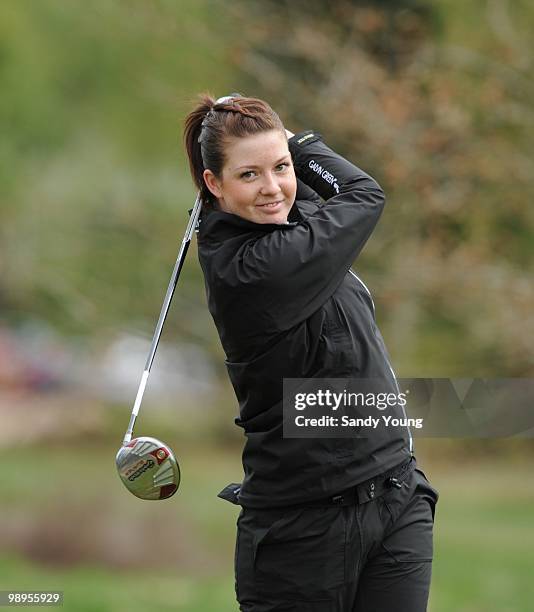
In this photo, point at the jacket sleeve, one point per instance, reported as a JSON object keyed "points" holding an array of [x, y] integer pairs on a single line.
{"points": [[299, 266], [304, 192]]}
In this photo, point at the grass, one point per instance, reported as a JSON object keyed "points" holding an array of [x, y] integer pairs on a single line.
{"points": [[483, 539], [68, 524], [93, 589]]}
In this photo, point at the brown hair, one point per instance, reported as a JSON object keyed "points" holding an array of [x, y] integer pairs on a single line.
{"points": [[209, 125]]}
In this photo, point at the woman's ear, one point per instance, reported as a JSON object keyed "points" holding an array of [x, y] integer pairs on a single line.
{"points": [[212, 183]]}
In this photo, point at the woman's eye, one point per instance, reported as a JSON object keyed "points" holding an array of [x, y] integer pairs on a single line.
{"points": [[282, 167], [247, 174]]}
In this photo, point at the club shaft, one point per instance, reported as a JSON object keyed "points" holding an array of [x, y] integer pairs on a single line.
{"points": [[193, 221]]}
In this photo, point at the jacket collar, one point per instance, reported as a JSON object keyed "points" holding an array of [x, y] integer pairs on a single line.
{"points": [[216, 225]]}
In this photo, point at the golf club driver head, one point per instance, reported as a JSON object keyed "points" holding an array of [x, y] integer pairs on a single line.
{"points": [[148, 468]]}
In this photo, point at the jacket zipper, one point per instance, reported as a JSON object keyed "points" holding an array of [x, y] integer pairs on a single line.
{"points": [[385, 356], [365, 287]]}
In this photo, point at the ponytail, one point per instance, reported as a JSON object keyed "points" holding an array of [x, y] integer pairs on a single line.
{"points": [[192, 132]]}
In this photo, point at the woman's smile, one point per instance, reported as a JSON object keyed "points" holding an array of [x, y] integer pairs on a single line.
{"points": [[271, 206]]}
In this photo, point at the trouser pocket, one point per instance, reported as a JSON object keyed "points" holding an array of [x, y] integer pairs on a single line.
{"points": [[293, 554], [429, 492], [408, 520]]}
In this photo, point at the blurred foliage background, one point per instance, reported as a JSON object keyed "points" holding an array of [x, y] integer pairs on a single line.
{"points": [[434, 99]]}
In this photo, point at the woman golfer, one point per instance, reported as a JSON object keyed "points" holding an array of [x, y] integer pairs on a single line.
{"points": [[327, 524]]}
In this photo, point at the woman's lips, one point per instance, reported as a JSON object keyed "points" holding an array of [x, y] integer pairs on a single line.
{"points": [[271, 206]]}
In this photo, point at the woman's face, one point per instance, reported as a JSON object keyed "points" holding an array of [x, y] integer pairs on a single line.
{"points": [[258, 180]]}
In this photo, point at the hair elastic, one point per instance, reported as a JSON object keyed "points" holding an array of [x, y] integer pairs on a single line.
{"points": [[221, 100]]}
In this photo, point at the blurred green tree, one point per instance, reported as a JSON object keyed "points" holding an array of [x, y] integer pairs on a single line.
{"points": [[94, 189], [447, 128]]}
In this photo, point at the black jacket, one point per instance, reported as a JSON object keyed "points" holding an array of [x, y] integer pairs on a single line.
{"points": [[287, 305]]}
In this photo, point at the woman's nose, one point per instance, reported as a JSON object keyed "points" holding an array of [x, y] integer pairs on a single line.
{"points": [[270, 184]]}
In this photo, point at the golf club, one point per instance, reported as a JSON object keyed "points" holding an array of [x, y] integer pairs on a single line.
{"points": [[147, 466]]}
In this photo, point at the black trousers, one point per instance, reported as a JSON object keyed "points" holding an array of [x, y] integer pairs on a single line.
{"points": [[367, 549]]}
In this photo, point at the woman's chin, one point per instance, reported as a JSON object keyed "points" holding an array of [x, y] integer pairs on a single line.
{"points": [[280, 218], [273, 216]]}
